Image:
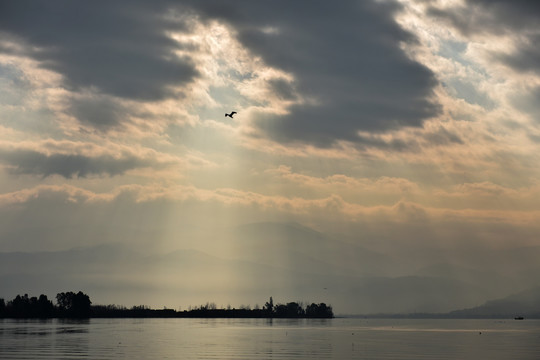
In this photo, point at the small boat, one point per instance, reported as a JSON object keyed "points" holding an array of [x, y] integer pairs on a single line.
{"points": [[518, 318]]}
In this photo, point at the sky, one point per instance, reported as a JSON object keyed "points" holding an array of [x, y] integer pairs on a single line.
{"points": [[401, 127]]}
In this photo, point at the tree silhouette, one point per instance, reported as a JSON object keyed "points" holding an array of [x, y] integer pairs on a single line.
{"points": [[319, 311], [45, 307], [74, 305], [28, 307], [290, 310], [269, 307], [20, 306]]}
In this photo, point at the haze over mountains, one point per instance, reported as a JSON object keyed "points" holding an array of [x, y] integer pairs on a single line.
{"points": [[249, 263], [525, 304]]}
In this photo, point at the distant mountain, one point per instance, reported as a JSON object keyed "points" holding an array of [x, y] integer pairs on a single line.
{"points": [[412, 294], [250, 263], [73, 261], [525, 303], [491, 284], [293, 246], [113, 274]]}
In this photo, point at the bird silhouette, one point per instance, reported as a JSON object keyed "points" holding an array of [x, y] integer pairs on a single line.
{"points": [[231, 114]]}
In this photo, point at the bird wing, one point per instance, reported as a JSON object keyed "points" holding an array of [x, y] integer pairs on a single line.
{"points": [[234, 112]]}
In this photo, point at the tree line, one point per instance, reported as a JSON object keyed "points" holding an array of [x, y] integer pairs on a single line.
{"points": [[269, 310], [78, 305], [68, 304]]}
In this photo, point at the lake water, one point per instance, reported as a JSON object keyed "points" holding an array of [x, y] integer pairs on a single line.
{"points": [[341, 338]]}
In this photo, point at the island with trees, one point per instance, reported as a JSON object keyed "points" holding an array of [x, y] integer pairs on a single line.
{"points": [[78, 305]]}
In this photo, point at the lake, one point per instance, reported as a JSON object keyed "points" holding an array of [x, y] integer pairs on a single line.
{"points": [[340, 338]]}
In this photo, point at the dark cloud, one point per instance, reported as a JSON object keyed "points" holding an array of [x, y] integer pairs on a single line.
{"points": [[395, 144], [282, 88], [71, 165], [526, 57], [491, 16], [500, 17], [119, 48], [344, 54], [99, 112], [434, 138]]}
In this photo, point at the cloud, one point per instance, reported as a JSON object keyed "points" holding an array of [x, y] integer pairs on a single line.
{"points": [[346, 186], [340, 209], [467, 91], [118, 48], [528, 101], [327, 211], [526, 56], [155, 215], [518, 19], [344, 64], [98, 111], [345, 58], [490, 16], [68, 166], [69, 160], [442, 136], [282, 88]]}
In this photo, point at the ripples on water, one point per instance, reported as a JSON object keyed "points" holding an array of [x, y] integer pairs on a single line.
{"points": [[269, 339]]}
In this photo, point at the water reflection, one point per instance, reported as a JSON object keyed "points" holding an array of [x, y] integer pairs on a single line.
{"points": [[268, 339]]}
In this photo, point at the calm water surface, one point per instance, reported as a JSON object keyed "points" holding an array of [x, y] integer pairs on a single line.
{"points": [[340, 338]]}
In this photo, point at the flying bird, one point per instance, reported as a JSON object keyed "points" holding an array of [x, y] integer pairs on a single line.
{"points": [[231, 114]]}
